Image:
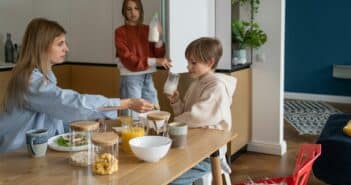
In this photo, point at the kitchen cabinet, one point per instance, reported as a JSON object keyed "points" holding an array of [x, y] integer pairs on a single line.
{"points": [[63, 74], [102, 80], [241, 110], [4, 79]]}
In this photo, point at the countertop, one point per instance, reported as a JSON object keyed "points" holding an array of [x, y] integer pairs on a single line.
{"points": [[6, 66], [9, 66]]}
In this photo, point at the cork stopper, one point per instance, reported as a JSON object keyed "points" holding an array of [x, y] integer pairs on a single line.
{"points": [[105, 138], [84, 125], [159, 115]]}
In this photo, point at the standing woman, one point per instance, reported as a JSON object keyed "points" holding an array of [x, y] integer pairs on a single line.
{"points": [[138, 57], [33, 99]]}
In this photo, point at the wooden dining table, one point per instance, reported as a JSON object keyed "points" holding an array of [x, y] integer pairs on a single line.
{"points": [[17, 168]]}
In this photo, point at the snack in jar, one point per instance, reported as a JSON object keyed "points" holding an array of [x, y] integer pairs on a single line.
{"points": [[105, 152]]}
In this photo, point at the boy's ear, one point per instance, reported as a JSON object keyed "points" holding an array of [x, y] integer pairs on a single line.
{"points": [[211, 62]]}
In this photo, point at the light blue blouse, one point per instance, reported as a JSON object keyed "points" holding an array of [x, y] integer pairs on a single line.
{"points": [[50, 107]]}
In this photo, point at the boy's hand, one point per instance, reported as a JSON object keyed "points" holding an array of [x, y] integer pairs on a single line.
{"points": [[173, 98], [164, 62]]}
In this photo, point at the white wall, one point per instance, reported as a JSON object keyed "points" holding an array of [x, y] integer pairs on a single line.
{"points": [[223, 32], [268, 82], [90, 24], [14, 16]]}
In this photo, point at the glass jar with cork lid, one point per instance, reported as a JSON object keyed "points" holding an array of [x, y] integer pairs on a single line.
{"points": [[157, 123], [80, 141], [105, 152]]}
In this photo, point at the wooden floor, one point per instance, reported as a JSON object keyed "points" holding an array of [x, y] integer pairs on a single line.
{"points": [[256, 166]]}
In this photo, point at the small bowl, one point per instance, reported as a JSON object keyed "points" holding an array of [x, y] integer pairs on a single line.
{"points": [[150, 148]]}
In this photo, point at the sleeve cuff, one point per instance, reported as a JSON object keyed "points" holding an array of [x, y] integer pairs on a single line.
{"points": [[114, 102], [151, 62]]}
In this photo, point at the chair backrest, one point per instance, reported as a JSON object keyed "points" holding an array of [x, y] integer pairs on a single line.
{"points": [[308, 153]]}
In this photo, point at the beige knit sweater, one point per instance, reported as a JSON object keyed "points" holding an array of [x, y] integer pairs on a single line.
{"points": [[207, 102]]}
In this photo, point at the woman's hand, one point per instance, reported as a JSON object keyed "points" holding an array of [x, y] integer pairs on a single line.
{"points": [[136, 104], [164, 62], [173, 98]]}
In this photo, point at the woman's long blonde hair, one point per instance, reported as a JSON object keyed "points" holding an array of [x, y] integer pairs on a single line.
{"points": [[37, 40]]}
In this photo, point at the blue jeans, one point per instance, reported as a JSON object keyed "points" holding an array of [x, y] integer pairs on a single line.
{"points": [[138, 86], [194, 173]]}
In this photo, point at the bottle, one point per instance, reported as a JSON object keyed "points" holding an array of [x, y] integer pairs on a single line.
{"points": [[154, 35], [9, 49], [15, 53]]}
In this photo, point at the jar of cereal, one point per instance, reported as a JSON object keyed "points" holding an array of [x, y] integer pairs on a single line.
{"points": [[105, 152]]}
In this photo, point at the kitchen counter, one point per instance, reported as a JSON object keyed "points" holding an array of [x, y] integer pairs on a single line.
{"points": [[6, 66], [234, 68]]}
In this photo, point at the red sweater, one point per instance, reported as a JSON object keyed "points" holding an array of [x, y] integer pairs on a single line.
{"points": [[133, 47]]}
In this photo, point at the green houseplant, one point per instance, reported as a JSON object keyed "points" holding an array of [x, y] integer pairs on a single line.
{"points": [[246, 34]]}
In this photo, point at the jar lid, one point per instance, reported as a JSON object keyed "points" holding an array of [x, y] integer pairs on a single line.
{"points": [[159, 115], [84, 125], [105, 138]]}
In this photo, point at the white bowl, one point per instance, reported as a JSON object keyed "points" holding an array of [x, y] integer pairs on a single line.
{"points": [[150, 148]]}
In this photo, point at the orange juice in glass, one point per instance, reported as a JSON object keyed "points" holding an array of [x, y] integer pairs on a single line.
{"points": [[129, 134]]}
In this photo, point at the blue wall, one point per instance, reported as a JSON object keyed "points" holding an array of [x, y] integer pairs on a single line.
{"points": [[318, 35]]}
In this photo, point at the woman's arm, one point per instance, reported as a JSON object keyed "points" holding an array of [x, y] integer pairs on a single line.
{"points": [[44, 96]]}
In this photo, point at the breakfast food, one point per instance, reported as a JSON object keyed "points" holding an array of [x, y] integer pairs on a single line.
{"points": [[80, 159], [78, 140], [105, 164], [129, 134]]}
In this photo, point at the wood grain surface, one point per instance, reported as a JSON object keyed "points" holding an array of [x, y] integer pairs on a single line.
{"points": [[18, 168]]}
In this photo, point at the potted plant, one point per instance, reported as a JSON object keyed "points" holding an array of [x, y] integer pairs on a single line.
{"points": [[246, 34]]}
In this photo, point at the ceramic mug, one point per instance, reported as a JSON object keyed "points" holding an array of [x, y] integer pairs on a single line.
{"points": [[178, 133], [37, 142]]}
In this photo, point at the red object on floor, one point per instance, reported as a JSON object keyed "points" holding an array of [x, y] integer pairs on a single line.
{"points": [[308, 153]]}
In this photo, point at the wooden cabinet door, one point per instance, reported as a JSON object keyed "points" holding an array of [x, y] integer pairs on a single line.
{"points": [[241, 110], [4, 80]]}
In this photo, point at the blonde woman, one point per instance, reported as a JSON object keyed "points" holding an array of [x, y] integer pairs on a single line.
{"points": [[33, 99]]}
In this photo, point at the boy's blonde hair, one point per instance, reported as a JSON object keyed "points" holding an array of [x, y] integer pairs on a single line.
{"points": [[204, 49]]}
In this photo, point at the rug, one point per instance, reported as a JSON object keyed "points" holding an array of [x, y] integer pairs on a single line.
{"points": [[308, 117]]}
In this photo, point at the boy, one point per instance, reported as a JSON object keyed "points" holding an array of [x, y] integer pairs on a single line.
{"points": [[206, 103]]}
